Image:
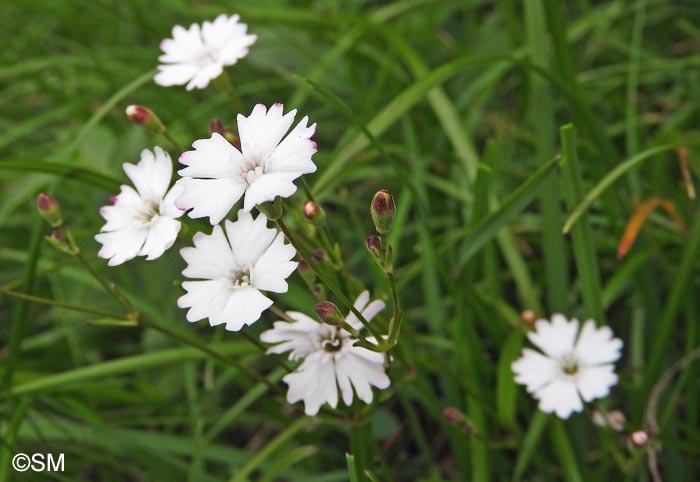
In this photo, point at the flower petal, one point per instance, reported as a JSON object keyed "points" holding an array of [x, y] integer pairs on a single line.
{"points": [[555, 338], [267, 187], [595, 382], [212, 158], [263, 129], [249, 237], [177, 74], [205, 299], [559, 397], [293, 154], [273, 267], [243, 307], [211, 256], [162, 233], [596, 346], [211, 198], [535, 370], [121, 245], [151, 176], [314, 383]]}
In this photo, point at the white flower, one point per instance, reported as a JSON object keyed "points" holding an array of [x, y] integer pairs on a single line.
{"points": [[233, 271], [197, 55], [142, 222], [330, 359], [218, 174], [572, 368]]}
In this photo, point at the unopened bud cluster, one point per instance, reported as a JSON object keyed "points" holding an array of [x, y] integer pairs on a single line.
{"points": [[383, 211], [60, 237]]}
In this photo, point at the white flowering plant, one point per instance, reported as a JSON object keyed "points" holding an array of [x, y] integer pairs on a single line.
{"points": [[345, 241]]}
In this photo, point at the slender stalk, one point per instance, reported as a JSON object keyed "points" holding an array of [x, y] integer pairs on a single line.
{"points": [[381, 344], [174, 142], [145, 321], [58, 304], [107, 286]]}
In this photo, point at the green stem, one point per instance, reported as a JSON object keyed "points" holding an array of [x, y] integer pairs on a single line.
{"points": [[381, 344], [58, 304], [145, 321], [174, 142], [107, 286]]}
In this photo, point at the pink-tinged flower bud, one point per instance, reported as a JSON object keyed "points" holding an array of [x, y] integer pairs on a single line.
{"points": [[614, 419], [139, 114], [383, 210], [374, 245], [63, 243], [313, 212], [319, 255], [216, 125], [307, 274], [456, 417], [639, 438], [49, 209], [329, 313], [528, 316], [233, 139]]}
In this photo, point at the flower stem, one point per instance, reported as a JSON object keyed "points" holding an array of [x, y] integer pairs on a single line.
{"points": [[224, 83], [58, 304], [107, 286], [381, 344], [175, 144]]}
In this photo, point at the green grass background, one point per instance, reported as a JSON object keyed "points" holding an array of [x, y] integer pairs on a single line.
{"points": [[454, 105]]}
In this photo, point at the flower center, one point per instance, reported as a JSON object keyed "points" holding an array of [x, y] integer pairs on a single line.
{"points": [[206, 57], [569, 364], [253, 168], [149, 211], [333, 343], [240, 276]]}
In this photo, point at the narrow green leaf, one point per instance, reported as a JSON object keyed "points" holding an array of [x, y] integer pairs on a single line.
{"points": [[69, 172], [609, 179], [584, 248], [506, 388], [474, 239]]}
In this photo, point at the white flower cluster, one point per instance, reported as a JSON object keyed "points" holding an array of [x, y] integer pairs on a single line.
{"points": [[230, 269]]}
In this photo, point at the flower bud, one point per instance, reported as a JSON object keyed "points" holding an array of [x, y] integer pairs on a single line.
{"points": [[313, 212], [639, 438], [329, 313], [307, 274], [319, 255], [139, 114], [374, 245], [49, 209], [528, 316], [383, 210], [456, 417], [216, 125], [62, 243]]}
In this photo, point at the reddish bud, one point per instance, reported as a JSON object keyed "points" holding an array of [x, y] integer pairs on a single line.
{"points": [[383, 210], [374, 244], [49, 209], [313, 211], [139, 114], [216, 125], [319, 255], [329, 313]]}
